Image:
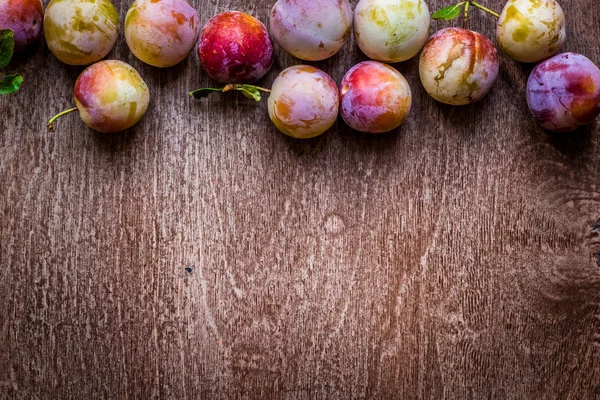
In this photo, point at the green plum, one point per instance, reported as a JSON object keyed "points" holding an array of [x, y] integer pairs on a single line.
{"points": [[531, 30], [391, 30], [80, 32]]}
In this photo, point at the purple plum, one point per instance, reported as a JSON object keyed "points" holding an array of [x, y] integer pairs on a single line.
{"points": [[563, 92], [25, 18]]}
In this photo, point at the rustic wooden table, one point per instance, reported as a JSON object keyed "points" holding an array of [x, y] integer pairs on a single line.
{"points": [[452, 258]]}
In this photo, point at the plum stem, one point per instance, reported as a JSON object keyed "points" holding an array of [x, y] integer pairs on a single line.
{"points": [[57, 116], [250, 91], [451, 12], [487, 10], [238, 86]]}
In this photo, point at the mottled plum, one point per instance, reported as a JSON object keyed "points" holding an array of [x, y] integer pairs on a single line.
{"points": [[304, 102], [110, 96], [161, 32], [311, 30], [375, 97], [563, 92], [80, 32], [458, 66], [531, 30]]}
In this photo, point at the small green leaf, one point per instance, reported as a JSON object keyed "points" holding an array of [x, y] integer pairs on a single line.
{"points": [[448, 13], [204, 92], [10, 83], [7, 45], [249, 91]]}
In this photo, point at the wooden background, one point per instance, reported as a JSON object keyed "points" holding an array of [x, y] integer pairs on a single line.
{"points": [[452, 258]]}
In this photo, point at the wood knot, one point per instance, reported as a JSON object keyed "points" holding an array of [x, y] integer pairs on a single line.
{"points": [[596, 227]]}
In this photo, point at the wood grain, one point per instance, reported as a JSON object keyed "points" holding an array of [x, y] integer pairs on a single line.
{"points": [[453, 258]]}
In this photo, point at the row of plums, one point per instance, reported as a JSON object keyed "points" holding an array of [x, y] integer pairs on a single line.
{"points": [[457, 66]]}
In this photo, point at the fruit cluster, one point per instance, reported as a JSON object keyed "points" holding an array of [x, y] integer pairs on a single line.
{"points": [[456, 66]]}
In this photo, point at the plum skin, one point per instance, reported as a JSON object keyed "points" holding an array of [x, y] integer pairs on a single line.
{"points": [[235, 47], [563, 92], [531, 31], [391, 30], [375, 98], [458, 66], [111, 96], [80, 32], [304, 102], [25, 18], [311, 30], [161, 33]]}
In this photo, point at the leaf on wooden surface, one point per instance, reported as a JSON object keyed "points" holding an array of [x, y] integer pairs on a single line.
{"points": [[10, 83], [204, 92]]}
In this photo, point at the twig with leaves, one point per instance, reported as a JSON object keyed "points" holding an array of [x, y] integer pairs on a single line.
{"points": [[452, 12], [250, 91]]}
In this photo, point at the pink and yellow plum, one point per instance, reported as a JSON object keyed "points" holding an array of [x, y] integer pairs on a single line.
{"points": [[311, 30], [161, 32], [458, 66], [25, 18], [304, 102], [235, 47], [563, 92], [391, 30], [110, 96], [80, 32], [531, 30], [375, 98]]}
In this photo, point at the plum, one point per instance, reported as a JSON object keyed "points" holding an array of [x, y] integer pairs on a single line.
{"points": [[458, 66], [311, 30], [25, 18], [391, 30], [563, 92], [235, 47], [304, 102], [161, 32], [531, 30], [80, 32], [375, 98], [110, 96]]}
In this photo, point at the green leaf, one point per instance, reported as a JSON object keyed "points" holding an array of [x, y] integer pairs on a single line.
{"points": [[7, 45], [10, 83], [448, 13], [249, 91], [204, 92]]}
